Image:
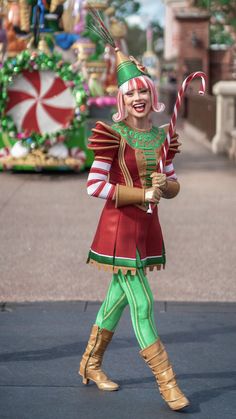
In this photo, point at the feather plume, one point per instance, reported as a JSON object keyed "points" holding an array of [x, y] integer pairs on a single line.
{"points": [[99, 28]]}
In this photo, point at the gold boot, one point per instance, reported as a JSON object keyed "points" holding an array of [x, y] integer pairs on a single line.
{"points": [[156, 357], [90, 365]]}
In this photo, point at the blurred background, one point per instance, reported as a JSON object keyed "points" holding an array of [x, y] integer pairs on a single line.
{"points": [[57, 78]]}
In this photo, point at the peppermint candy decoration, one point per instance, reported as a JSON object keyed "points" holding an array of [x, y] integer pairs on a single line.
{"points": [[4, 152], [41, 102], [78, 154]]}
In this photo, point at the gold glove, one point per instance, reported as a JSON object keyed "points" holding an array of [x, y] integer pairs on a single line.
{"points": [[159, 180], [153, 195], [128, 195]]}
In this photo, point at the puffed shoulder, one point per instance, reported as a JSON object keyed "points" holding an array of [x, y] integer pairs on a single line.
{"points": [[174, 143], [103, 137]]}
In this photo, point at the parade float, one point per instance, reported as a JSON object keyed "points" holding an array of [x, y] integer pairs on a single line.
{"points": [[43, 100], [97, 66], [55, 80]]}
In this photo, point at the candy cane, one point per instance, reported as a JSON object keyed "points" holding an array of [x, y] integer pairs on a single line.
{"points": [[178, 103], [171, 130]]}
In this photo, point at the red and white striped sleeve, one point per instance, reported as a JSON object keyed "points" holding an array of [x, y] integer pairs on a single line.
{"points": [[98, 184], [105, 143]]}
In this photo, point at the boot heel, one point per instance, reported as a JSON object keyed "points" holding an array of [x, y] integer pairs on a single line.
{"points": [[85, 381]]}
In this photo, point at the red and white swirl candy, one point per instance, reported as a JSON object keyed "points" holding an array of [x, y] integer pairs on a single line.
{"points": [[40, 101]]}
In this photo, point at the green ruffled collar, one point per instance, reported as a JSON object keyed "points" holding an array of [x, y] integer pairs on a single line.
{"points": [[143, 140]]}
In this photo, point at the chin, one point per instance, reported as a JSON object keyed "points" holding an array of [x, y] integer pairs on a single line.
{"points": [[141, 115]]}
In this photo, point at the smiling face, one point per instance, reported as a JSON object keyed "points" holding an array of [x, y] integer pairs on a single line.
{"points": [[136, 99], [138, 102]]}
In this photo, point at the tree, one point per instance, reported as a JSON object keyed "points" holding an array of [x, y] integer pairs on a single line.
{"points": [[225, 9], [124, 8], [223, 24], [223, 20], [136, 39], [158, 33]]}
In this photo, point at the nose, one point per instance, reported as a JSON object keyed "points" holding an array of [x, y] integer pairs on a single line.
{"points": [[136, 95]]}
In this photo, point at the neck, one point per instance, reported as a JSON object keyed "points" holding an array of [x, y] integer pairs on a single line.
{"points": [[138, 123]]}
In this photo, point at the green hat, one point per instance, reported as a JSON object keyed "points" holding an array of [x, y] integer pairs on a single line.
{"points": [[128, 68]]}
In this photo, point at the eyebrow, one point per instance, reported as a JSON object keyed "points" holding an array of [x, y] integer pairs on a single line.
{"points": [[141, 88]]}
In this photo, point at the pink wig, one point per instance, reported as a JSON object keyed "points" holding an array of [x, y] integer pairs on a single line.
{"points": [[136, 83]]}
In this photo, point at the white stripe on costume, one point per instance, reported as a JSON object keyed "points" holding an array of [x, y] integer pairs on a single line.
{"points": [[105, 191], [101, 165], [97, 176], [92, 188]]}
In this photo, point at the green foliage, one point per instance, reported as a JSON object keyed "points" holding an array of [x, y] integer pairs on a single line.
{"points": [[158, 31], [218, 35], [124, 8], [223, 11], [137, 38]]}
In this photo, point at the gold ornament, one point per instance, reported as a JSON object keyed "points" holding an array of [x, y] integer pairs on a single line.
{"points": [[25, 12], [54, 4]]}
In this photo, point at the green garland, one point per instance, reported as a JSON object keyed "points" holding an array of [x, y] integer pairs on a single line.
{"points": [[40, 61]]}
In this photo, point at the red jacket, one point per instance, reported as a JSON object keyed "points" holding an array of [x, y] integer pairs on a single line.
{"points": [[127, 238]]}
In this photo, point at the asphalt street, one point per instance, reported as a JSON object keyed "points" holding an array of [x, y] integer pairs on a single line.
{"points": [[42, 343]]}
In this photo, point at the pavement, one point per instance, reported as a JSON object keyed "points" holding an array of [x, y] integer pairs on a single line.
{"points": [[48, 222], [42, 343]]}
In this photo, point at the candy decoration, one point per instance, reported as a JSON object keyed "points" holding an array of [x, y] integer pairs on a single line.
{"points": [[19, 150], [59, 151], [40, 102], [32, 61], [171, 130], [4, 152], [78, 154], [178, 102]]}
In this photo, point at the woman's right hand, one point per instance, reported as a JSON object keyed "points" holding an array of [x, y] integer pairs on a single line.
{"points": [[153, 195]]}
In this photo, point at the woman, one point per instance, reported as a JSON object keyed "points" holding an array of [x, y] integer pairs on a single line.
{"points": [[128, 239]]}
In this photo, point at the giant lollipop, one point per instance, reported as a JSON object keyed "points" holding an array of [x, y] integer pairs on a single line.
{"points": [[40, 102]]}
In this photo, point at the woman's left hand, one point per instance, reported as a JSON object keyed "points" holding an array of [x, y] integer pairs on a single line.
{"points": [[159, 180]]}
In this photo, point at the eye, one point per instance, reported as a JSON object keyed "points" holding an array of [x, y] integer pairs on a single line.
{"points": [[129, 94], [143, 90]]}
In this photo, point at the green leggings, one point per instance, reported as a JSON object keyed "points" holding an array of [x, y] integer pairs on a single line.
{"points": [[135, 291]]}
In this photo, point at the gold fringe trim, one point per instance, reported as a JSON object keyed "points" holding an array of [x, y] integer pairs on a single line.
{"points": [[123, 167], [104, 158], [107, 134], [108, 147], [94, 140], [124, 269], [109, 129]]}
